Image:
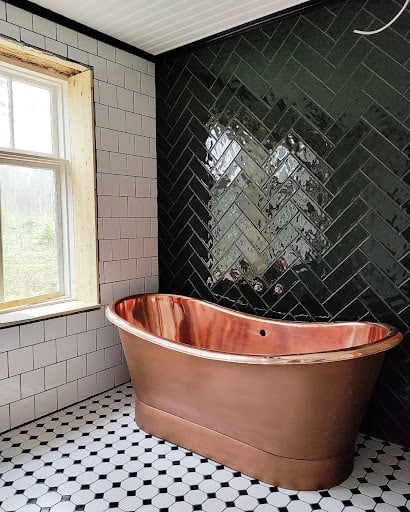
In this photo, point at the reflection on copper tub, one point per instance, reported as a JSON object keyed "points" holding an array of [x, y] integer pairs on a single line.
{"points": [[279, 401]]}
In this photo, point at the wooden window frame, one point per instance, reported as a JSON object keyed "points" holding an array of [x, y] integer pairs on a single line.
{"points": [[81, 183]]}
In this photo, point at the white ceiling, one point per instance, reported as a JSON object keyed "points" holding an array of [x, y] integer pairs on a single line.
{"points": [[160, 25]]}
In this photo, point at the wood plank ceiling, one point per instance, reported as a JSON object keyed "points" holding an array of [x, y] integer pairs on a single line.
{"points": [[160, 25]]}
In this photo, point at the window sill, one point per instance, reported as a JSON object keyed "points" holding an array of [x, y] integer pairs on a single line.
{"points": [[43, 311]]}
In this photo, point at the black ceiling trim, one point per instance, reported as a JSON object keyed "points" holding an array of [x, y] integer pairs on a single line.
{"points": [[79, 27], [302, 8]]}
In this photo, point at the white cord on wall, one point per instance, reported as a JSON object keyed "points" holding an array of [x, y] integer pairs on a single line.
{"points": [[371, 32]]}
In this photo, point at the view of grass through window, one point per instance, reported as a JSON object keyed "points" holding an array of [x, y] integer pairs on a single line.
{"points": [[29, 228]]}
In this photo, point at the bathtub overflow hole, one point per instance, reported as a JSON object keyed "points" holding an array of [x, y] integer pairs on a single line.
{"points": [[262, 332]]}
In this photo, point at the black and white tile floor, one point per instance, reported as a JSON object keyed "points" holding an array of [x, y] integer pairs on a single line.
{"points": [[92, 457]]}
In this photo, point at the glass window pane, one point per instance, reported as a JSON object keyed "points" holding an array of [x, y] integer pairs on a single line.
{"points": [[4, 114], [30, 232], [32, 118]]}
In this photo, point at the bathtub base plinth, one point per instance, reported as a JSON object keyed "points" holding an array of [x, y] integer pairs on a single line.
{"points": [[283, 472]]}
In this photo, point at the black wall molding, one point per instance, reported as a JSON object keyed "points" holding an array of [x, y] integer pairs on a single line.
{"points": [[305, 7], [80, 27]]}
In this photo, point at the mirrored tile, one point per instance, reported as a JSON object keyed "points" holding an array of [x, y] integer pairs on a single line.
{"points": [[277, 156], [311, 233], [311, 210], [251, 146], [311, 186], [277, 201], [252, 211], [285, 215], [252, 169], [226, 241], [249, 187], [226, 180], [252, 124], [228, 259], [252, 257], [304, 250], [225, 204], [224, 161], [284, 238], [252, 234]]}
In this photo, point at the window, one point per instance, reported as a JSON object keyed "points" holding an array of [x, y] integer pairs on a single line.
{"points": [[34, 225], [48, 261]]}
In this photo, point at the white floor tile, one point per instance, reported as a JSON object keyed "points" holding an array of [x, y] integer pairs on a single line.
{"points": [[61, 463]]}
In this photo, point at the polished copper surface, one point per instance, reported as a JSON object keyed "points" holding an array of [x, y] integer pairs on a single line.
{"points": [[288, 413]]}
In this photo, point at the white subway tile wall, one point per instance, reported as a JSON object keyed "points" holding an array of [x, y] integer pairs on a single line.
{"points": [[50, 364]]}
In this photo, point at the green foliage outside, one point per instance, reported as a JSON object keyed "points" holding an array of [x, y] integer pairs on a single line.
{"points": [[29, 256], [28, 228]]}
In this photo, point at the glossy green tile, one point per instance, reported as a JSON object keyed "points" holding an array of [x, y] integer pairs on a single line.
{"points": [[356, 184], [383, 12], [224, 54], [250, 100], [311, 186], [346, 245], [254, 236], [322, 18], [281, 57], [310, 302], [395, 216], [313, 36], [313, 62], [382, 232], [346, 220], [313, 137], [348, 67], [311, 210], [350, 89], [387, 125], [316, 285], [345, 11], [347, 41], [283, 157], [252, 169], [349, 141], [388, 69], [347, 269], [198, 69], [345, 296], [396, 46], [207, 56], [252, 56], [258, 38], [310, 232], [385, 95], [348, 168], [278, 34], [249, 79], [310, 109], [383, 286], [387, 153], [384, 261]]}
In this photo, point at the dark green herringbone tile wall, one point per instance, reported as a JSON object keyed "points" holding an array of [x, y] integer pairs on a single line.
{"points": [[284, 178]]}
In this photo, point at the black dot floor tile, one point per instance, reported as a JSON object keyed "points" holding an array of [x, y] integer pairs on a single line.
{"points": [[92, 457]]}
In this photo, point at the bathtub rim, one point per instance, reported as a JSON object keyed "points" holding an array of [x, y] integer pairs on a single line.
{"points": [[393, 338]]}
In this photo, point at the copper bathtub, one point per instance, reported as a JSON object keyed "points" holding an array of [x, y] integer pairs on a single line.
{"points": [[279, 401]]}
